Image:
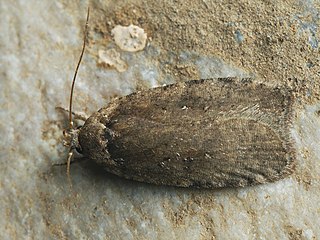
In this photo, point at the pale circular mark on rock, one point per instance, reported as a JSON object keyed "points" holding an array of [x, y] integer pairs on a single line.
{"points": [[131, 38]]}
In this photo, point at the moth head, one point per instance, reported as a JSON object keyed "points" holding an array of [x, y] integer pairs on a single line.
{"points": [[71, 139]]}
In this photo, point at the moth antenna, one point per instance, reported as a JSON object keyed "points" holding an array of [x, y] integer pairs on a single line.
{"points": [[70, 155], [77, 68]]}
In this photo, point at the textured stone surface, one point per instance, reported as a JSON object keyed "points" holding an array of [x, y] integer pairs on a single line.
{"points": [[40, 43]]}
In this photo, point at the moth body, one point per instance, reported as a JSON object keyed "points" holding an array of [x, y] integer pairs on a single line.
{"points": [[208, 133]]}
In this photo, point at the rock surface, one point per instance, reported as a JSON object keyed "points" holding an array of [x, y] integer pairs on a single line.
{"points": [[40, 44]]}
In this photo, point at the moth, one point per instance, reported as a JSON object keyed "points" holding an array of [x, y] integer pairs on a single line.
{"points": [[212, 133]]}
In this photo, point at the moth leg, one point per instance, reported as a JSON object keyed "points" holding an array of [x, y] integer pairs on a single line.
{"points": [[70, 155], [73, 159], [77, 116]]}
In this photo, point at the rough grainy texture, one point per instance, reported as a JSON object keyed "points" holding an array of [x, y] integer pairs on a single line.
{"points": [[275, 41], [40, 43], [206, 133]]}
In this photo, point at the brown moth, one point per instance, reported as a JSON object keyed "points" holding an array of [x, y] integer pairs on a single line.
{"points": [[206, 133], [212, 133]]}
